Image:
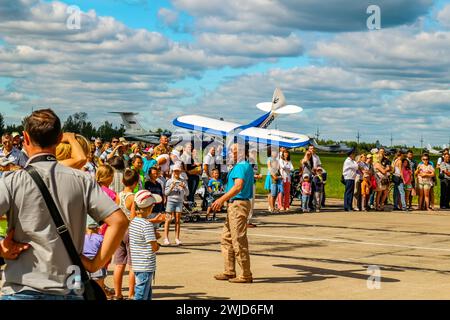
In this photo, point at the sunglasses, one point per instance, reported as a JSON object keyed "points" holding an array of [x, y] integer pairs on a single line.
{"points": [[425, 159], [115, 141]]}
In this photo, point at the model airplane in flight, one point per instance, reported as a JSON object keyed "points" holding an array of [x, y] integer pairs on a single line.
{"points": [[255, 131]]}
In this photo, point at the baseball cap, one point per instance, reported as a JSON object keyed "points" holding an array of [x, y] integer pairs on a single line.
{"points": [[15, 134], [145, 199], [352, 151], [305, 175], [124, 141], [319, 168], [369, 156]]}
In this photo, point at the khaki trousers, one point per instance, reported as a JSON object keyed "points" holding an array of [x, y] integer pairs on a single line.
{"points": [[234, 243]]}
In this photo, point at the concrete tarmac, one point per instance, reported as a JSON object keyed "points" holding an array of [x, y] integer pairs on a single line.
{"points": [[326, 255]]}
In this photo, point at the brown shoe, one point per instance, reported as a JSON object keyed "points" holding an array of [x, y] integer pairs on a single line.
{"points": [[241, 280], [223, 277]]}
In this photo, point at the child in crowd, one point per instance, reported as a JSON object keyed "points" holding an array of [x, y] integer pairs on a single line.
{"points": [[104, 177], [143, 244], [215, 190], [122, 256], [407, 175], [92, 243], [306, 192], [276, 186], [90, 166], [365, 191], [318, 185], [176, 190]]}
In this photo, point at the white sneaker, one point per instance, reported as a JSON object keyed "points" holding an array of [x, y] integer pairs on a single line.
{"points": [[166, 242], [178, 242]]}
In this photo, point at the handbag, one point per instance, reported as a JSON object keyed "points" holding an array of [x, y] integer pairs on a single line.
{"points": [[373, 183], [92, 290]]}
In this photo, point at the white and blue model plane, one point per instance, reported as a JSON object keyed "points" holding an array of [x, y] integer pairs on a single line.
{"points": [[255, 131]]}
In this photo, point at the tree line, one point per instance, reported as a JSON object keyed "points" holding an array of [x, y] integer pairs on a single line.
{"points": [[76, 123]]}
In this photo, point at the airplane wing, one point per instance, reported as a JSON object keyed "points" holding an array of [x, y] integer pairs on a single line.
{"points": [[205, 124], [268, 136], [254, 134]]}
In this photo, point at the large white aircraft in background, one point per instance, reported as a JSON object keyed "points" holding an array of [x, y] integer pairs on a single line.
{"points": [[430, 149], [255, 131], [135, 132]]}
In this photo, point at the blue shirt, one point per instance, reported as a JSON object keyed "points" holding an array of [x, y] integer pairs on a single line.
{"points": [[215, 185], [148, 164], [243, 170], [16, 156], [429, 162]]}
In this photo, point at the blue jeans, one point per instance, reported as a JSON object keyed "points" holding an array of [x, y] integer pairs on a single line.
{"points": [[275, 189], [34, 295], [372, 198], [399, 192], [305, 202], [348, 196], [143, 287]]}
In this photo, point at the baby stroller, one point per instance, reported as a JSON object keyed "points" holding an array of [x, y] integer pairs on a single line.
{"points": [[190, 212], [296, 186]]}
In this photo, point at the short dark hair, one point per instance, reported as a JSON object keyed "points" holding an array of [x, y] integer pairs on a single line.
{"points": [[6, 135], [153, 169], [44, 128], [130, 177], [135, 158], [409, 151], [117, 163]]}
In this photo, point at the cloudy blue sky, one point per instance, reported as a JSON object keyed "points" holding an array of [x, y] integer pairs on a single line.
{"points": [[219, 58]]}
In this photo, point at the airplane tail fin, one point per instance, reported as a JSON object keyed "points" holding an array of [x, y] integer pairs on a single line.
{"points": [[278, 99], [278, 104], [313, 142], [429, 147], [130, 122]]}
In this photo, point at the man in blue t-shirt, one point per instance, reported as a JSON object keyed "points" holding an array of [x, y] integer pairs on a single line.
{"points": [[239, 192]]}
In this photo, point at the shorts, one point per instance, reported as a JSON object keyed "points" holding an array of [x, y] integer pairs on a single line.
{"points": [[210, 201], [174, 207], [122, 255], [425, 185], [98, 275], [408, 187], [275, 189]]}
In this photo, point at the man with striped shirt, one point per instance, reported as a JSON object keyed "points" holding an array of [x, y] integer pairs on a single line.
{"points": [[143, 244]]}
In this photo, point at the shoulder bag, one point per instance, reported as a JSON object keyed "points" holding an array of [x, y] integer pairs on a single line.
{"points": [[92, 290]]}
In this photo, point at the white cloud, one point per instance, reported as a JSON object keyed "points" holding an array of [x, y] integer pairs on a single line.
{"points": [[251, 45], [169, 17], [283, 16], [411, 58], [443, 16], [105, 65]]}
